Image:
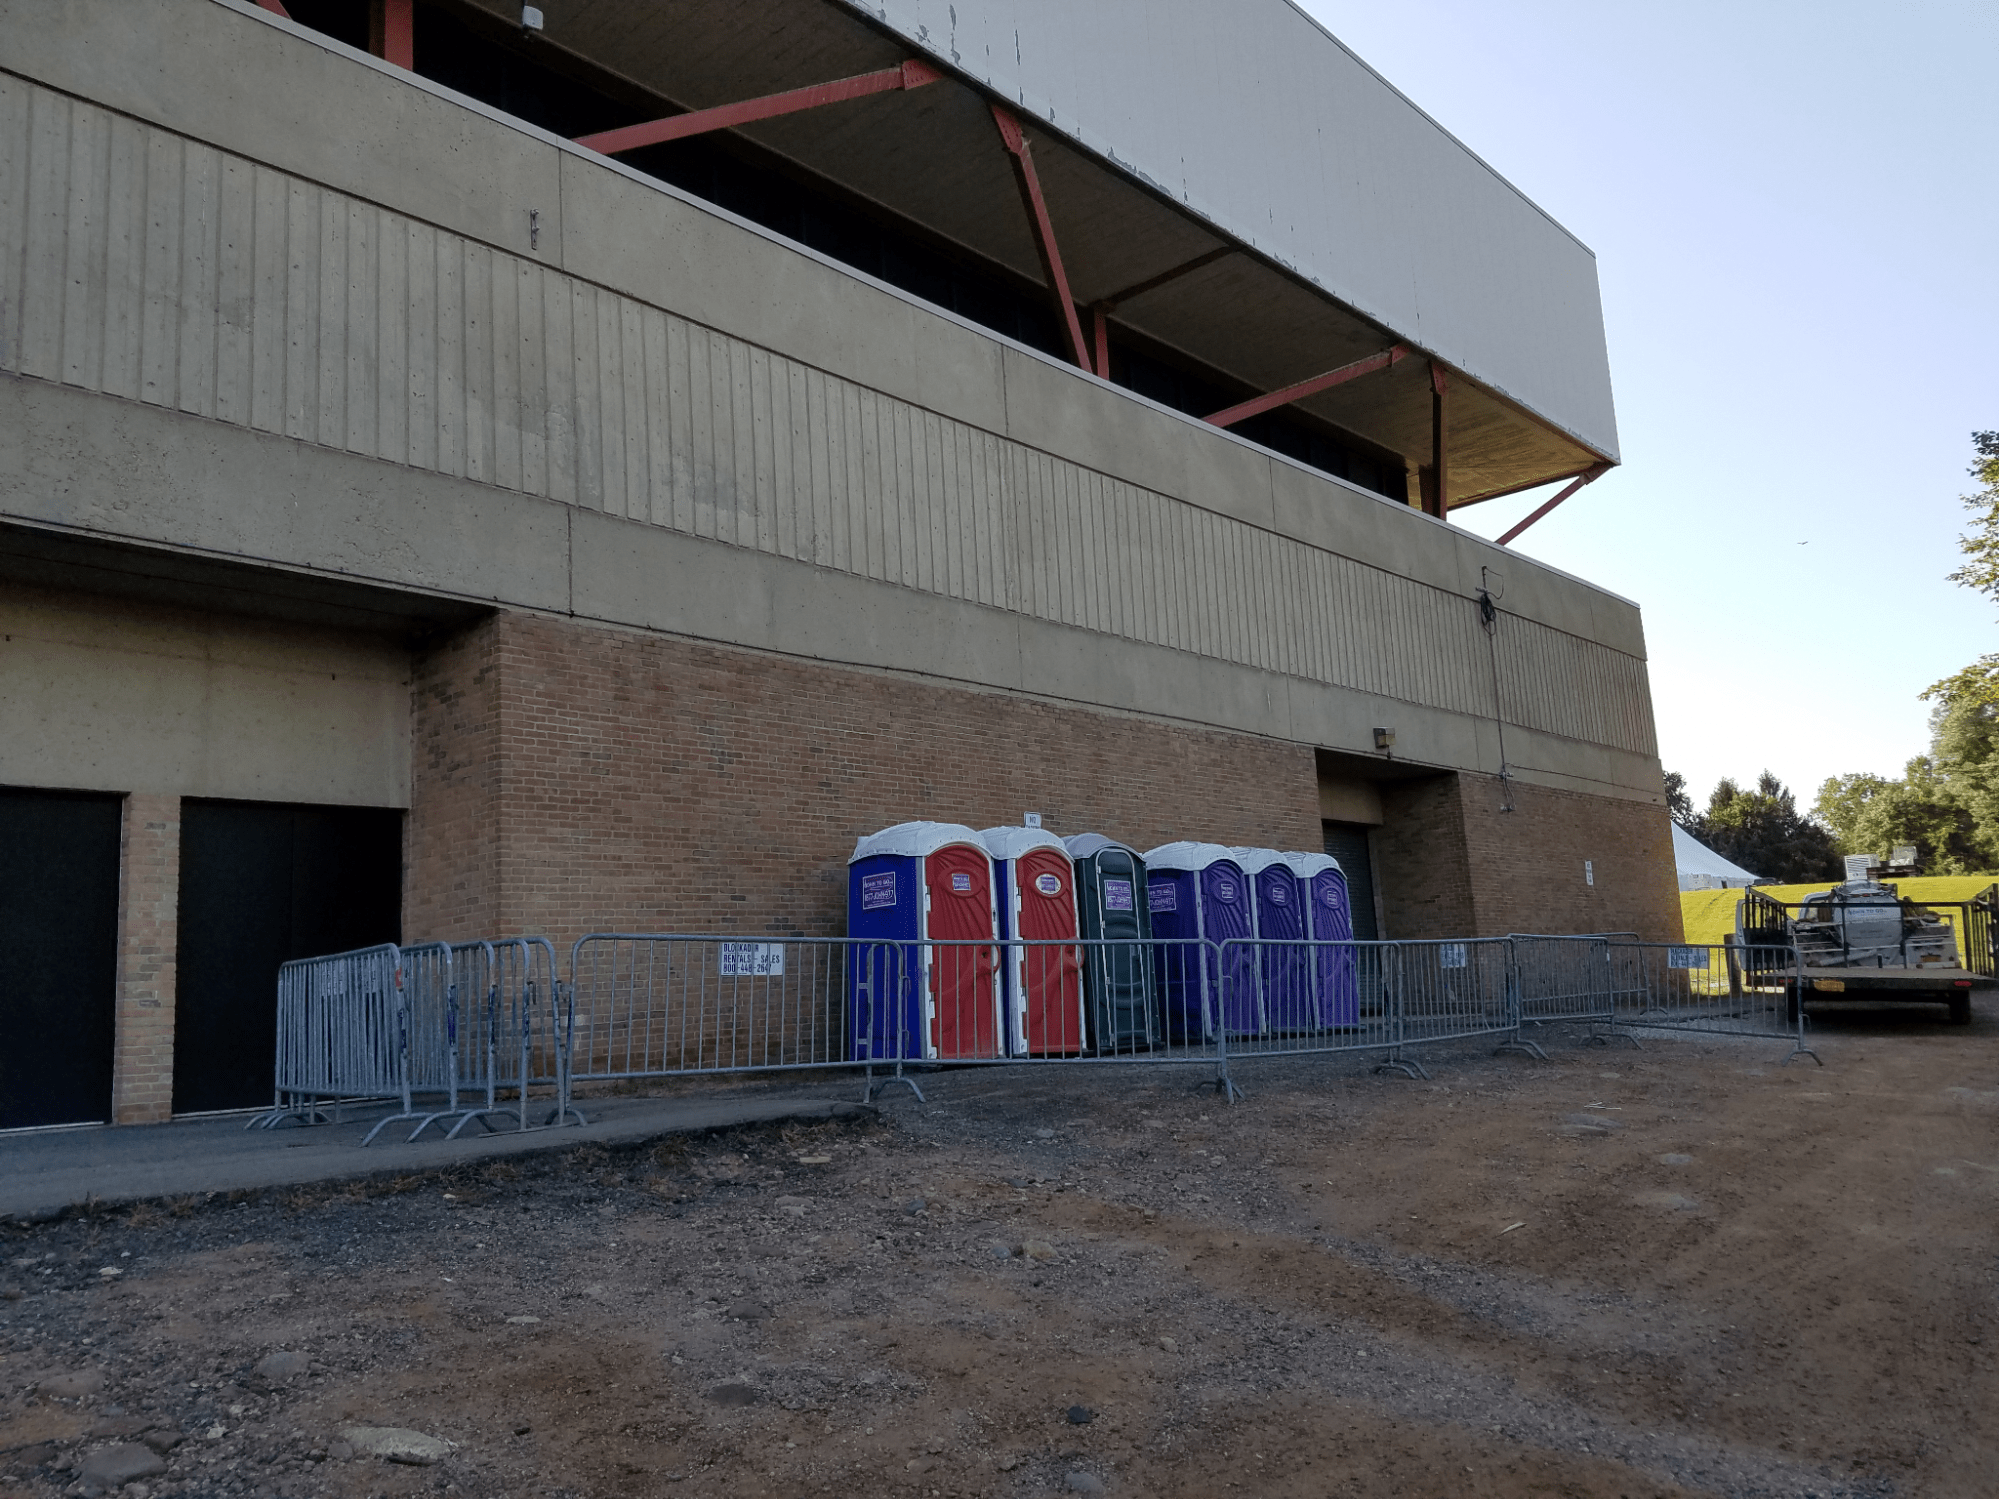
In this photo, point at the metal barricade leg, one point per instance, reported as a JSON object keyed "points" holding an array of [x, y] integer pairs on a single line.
{"points": [[1514, 1041]]}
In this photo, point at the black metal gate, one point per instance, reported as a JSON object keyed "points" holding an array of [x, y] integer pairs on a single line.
{"points": [[59, 929], [260, 883]]}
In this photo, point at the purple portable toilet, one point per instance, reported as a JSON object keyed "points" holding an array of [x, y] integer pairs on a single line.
{"points": [[1277, 908], [1199, 891], [1335, 971]]}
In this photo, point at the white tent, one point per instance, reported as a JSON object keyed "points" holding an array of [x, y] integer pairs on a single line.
{"points": [[1701, 869]]}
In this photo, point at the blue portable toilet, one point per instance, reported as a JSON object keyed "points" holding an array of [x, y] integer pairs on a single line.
{"points": [[1198, 891], [1111, 901], [1284, 969], [1335, 970], [924, 891]]}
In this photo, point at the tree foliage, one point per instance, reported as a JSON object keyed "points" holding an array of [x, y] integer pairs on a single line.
{"points": [[1760, 830], [1946, 802], [1981, 545]]}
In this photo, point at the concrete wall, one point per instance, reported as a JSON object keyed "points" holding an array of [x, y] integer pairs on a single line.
{"points": [[811, 460], [104, 695]]}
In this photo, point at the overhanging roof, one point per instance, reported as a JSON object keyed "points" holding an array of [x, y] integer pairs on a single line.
{"points": [[1173, 128]]}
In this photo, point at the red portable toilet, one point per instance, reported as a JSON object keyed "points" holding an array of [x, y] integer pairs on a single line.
{"points": [[1035, 883], [930, 885]]}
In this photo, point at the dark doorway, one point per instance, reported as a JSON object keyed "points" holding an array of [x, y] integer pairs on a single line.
{"points": [[59, 932], [262, 882], [1347, 843]]}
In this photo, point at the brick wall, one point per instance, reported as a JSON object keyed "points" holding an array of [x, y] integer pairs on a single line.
{"points": [[1527, 865], [148, 903], [451, 855], [1450, 863], [1421, 864], [568, 778]]}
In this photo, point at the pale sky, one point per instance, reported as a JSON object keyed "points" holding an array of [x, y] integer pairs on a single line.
{"points": [[1795, 213]]}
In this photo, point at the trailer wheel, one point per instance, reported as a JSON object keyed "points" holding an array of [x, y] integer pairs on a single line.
{"points": [[1960, 1009]]}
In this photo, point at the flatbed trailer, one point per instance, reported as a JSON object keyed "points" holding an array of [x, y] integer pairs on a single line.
{"points": [[1931, 985], [1841, 945]]}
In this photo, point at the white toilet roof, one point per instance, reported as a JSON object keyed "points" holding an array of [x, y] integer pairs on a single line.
{"points": [[914, 838]]}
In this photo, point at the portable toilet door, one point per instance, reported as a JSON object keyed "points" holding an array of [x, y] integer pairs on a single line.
{"points": [[1115, 912], [929, 888], [1198, 891], [1283, 962], [1335, 969], [1041, 969]]}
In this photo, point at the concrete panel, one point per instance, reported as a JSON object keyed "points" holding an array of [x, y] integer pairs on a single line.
{"points": [[1368, 528], [127, 471], [107, 695], [1350, 801], [1068, 414], [655, 244], [235, 75]]}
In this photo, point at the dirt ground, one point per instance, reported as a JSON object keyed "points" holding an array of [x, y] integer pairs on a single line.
{"points": [[1682, 1269]]}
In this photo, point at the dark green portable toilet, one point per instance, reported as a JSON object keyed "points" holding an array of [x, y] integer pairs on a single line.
{"points": [[1111, 906]]}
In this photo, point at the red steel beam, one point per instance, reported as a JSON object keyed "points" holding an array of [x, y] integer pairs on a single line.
{"points": [[1029, 183], [392, 32], [910, 75], [1139, 289], [1229, 416], [1101, 310], [276, 8], [1594, 472]]}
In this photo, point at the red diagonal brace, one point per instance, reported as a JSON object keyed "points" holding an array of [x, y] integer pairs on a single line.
{"points": [[911, 75], [276, 8], [392, 31], [1029, 183], [1382, 361], [1593, 472]]}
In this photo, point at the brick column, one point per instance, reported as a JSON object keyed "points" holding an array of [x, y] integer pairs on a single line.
{"points": [[142, 1077]]}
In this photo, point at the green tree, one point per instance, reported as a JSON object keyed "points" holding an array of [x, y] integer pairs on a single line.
{"points": [[1763, 831], [1679, 806], [1946, 803], [1982, 544]]}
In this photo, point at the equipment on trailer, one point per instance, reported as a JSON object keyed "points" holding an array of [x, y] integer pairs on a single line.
{"points": [[1861, 940]]}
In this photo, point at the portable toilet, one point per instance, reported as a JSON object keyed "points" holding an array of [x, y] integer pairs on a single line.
{"points": [[1034, 887], [928, 886], [1335, 971], [1277, 912], [1199, 891], [1111, 901]]}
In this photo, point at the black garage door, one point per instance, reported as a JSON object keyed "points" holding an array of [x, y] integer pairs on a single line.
{"points": [[262, 882], [58, 955], [1347, 843]]}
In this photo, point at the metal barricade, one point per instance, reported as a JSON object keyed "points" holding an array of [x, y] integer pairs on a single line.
{"points": [[1445, 991], [1312, 996], [1726, 989], [647, 1005], [1567, 978], [340, 1033]]}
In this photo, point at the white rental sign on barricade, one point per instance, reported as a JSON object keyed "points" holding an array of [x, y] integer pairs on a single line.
{"points": [[752, 960]]}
